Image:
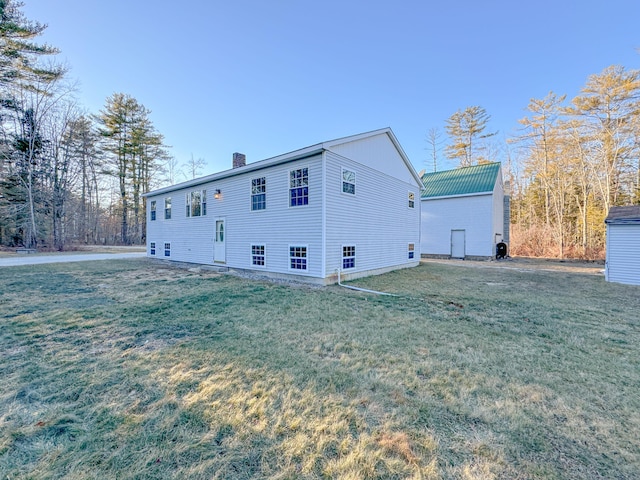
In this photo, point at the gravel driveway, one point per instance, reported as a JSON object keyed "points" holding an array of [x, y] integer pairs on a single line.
{"points": [[31, 259]]}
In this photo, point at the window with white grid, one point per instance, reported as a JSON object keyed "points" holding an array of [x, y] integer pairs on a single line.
{"points": [[348, 257], [258, 257], [297, 258]]}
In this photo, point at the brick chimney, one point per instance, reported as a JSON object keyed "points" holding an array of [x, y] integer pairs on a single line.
{"points": [[239, 160]]}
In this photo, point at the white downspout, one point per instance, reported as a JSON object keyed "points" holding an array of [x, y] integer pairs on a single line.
{"points": [[362, 289]]}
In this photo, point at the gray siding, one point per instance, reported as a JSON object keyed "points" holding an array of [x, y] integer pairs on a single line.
{"points": [[377, 219], [623, 254], [379, 153], [276, 227]]}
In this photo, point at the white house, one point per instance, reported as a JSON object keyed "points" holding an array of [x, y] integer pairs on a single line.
{"points": [[349, 204], [463, 212], [623, 245]]}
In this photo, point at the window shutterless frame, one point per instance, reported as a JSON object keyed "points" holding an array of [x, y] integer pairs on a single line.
{"points": [[259, 255], [298, 259], [348, 257], [299, 187], [167, 208], [348, 181], [258, 194]]}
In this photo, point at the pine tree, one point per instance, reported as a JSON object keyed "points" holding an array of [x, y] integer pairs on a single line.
{"points": [[18, 52], [465, 128], [133, 148]]}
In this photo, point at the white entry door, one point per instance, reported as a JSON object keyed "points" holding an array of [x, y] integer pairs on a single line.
{"points": [[219, 254], [457, 243]]}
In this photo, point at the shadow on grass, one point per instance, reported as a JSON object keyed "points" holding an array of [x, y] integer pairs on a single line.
{"points": [[170, 374]]}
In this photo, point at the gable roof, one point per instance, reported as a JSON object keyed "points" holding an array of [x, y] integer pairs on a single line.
{"points": [[476, 179], [623, 215], [290, 157]]}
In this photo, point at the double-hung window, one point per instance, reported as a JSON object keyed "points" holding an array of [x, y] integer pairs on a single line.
{"points": [[152, 248], [167, 208], [167, 249], [258, 257], [411, 251], [196, 203], [299, 187], [258, 193], [348, 257], [153, 210], [297, 258], [412, 200], [348, 181]]}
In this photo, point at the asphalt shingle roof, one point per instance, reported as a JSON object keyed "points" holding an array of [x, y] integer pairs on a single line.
{"points": [[460, 181], [627, 214]]}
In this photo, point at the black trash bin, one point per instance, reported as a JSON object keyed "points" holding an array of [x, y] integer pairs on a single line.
{"points": [[501, 250]]}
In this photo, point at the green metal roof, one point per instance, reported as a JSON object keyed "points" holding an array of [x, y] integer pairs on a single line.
{"points": [[460, 181]]}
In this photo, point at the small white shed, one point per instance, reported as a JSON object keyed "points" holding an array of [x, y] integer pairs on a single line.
{"points": [[623, 245], [463, 212]]}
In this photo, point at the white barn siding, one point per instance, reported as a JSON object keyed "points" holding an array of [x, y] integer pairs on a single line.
{"points": [[623, 254], [381, 238], [276, 227], [473, 214]]}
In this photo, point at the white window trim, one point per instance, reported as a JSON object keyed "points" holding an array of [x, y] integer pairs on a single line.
{"points": [[409, 199], [355, 182], [164, 211], [302, 167], [264, 245], [153, 248], [342, 257], [409, 250], [251, 195], [203, 202], [164, 249], [297, 245]]}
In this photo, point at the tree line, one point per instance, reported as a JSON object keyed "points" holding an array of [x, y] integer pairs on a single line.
{"points": [[67, 176], [571, 162]]}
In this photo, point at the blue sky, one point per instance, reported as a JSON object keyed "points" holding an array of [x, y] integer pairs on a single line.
{"points": [[267, 77]]}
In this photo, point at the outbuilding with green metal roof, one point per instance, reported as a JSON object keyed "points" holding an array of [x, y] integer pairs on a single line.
{"points": [[465, 212]]}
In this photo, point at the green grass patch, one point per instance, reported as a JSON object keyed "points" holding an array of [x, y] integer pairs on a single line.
{"points": [[136, 370]]}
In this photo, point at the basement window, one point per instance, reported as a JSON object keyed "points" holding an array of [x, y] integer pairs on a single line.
{"points": [[258, 257], [348, 257], [297, 258]]}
